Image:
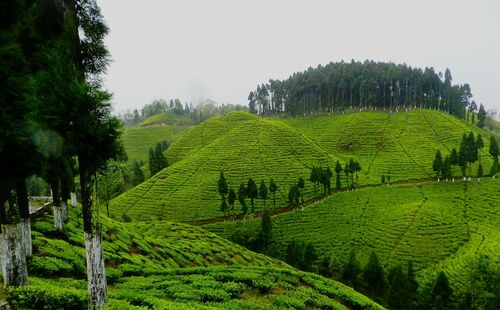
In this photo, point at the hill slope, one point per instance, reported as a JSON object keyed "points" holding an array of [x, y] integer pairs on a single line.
{"points": [[169, 266], [439, 226], [187, 190], [244, 145]]}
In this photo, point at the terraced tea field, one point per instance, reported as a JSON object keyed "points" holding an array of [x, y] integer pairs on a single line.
{"points": [[232, 288], [436, 225], [244, 145], [131, 248], [164, 265], [138, 140]]}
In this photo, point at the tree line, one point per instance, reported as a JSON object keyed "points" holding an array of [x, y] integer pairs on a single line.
{"points": [[468, 153], [196, 113], [55, 122], [353, 85]]}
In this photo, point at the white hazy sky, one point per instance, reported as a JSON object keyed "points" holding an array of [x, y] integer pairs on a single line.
{"points": [[222, 49]]}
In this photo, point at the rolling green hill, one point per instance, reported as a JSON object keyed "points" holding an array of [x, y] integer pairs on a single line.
{"points": [[164, 265], [437, 225], [138, 140], [244, 145]]}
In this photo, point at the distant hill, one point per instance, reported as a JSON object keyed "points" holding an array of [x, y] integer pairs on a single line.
{"points": [[244, 145]]}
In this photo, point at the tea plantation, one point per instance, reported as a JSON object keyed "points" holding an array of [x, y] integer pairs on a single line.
{"points": [[245, 146], [163, 265], [437, 225]]}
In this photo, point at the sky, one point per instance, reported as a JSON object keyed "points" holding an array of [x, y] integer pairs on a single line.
{"points": [[221, 49]]}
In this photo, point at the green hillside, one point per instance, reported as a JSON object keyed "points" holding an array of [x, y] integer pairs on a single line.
{"points": [[166, 119], [138, 140], [164, 265], [244, 145], [439, 226], [187, 190]]}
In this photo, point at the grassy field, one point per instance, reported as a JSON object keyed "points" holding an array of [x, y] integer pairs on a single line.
{"points": [[244, 145], [164, 265], [138, 140], [437, 225]]}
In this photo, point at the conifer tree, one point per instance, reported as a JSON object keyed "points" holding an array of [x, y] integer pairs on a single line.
{"points": [[301, 185], [310, 257], [222, 185], [231, 199], [241, 198], [481, 116], [493, 150], [374, 276], [437, 164], [441, 295], [252, 192], [352, 271]]}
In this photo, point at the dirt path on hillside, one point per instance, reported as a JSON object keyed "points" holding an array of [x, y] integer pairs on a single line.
{"points": [[308, 203]]}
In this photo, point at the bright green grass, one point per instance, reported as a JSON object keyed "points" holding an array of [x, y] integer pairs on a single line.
{"points": [[167, 119], [244, 145], [202, 288], [439, 226], [138, 140]]}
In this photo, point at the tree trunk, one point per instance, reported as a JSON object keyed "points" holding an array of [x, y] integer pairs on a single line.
{"points": [[64, 207], [96, 277], [24, 212], [73, 200], [56, 201], [14, 268], [13, 259]]}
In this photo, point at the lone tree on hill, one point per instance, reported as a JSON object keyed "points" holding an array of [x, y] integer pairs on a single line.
{"points": [[338, 170], [252, 192], [263, 192], [472, 153], [273, 188], [241, 198]]}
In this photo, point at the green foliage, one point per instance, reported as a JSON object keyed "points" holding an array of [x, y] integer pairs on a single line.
{"points": [[157, 161], [352, 271], [441, 295], [374, 276]]}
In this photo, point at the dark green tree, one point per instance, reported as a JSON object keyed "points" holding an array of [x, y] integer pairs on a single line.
{"points": [[396, 298], [241, 198], [263, 192], [374, 276], [310, 257], [480, 171], [441, 295], [437, 164], [266, 231], [252, 192], [294, 196], [352, 271], [301, 185], [222, 186], [493, 150], [137, 174], [454, 161], [231, 199], [481, 116], [223, 206]]}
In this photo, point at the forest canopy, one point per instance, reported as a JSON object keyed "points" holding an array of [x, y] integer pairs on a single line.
{"points": [[369, 84]]}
